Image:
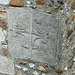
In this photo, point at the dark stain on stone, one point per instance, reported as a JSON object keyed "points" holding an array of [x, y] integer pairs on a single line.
{"points": [[60, 2], [69, 33]]}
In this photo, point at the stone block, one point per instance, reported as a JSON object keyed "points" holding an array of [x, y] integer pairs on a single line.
{"points": [[32, 34]]}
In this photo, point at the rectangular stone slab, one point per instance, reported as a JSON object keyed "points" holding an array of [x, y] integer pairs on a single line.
{"points": [[32, 34]]}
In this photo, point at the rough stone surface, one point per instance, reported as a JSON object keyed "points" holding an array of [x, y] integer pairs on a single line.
{"points": [[5, 2], [6, 65], [32, 34], [2, 36]]}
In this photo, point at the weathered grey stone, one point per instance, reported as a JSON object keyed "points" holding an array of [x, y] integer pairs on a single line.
{"points": [[2, 36], [32, 34], [4, 2], [6, 65], [19, 35]]}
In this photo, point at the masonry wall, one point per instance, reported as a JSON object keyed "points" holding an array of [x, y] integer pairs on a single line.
{"points": [[37, 38]]}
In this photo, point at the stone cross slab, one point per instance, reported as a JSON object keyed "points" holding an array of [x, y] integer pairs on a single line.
{"points": [[32, 34]]}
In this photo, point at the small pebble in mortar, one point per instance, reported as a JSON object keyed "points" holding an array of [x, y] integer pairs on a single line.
{"points": [[31, 65], [25, 69], [66, 68]]}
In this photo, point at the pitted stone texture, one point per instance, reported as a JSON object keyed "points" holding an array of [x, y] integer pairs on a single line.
{"points": [[19, 32], [5, 2], [44, 38], [32, 34], [6, 66], [2, 36]]}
